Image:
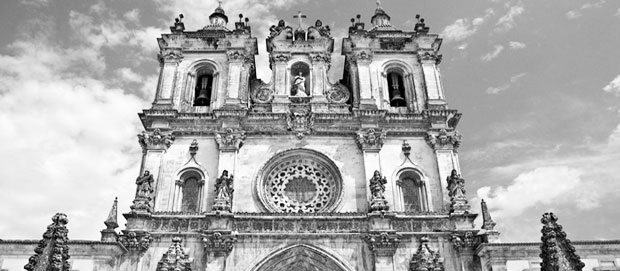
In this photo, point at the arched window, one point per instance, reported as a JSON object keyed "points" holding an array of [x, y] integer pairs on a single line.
{"points": [[188, 192], [396, 89], [413, 191], [203, 88]]}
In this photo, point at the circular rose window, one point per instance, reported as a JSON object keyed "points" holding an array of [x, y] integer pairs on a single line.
{"points": [[299, 181]]}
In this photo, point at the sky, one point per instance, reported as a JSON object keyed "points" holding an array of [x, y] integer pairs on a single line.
{"points": [[537, 81]]}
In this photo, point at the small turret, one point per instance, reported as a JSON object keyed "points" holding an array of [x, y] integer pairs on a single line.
{"points": [[380, 18]]}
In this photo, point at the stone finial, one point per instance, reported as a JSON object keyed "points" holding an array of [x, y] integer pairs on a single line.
{"points": [[112, 221], [230, 140], [406, 148], [456, 192], [487, 221], [193, 148], [426, 258], [557, 253], [219, 242], [136, 241], [175, 259], [155, 140], [382, 244], [109, 233], [370, 139], [52, 253], [378, 202], [444, 140]]}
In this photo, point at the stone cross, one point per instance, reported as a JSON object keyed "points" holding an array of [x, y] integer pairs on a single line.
{"points": [[299, 16]]}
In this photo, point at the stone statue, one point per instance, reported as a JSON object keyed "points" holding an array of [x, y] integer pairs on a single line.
{"points": [[145, 184], [281, 31], [224, 186], [377, 185], [456, 185], [299, 86]]}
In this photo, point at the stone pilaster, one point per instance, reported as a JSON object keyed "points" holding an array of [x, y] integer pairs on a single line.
{"points": [[169, 60], [434, 88], [363, 60], [445, 145], [229, 142], [236, 60], [281, 100], [465, 244], [370, 141]]}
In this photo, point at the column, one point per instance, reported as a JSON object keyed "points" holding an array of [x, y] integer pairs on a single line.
{"points": [[363, 60], [370, 141]]}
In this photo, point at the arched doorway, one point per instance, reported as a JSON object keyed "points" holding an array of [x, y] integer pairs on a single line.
{"points": [[300, 258]]}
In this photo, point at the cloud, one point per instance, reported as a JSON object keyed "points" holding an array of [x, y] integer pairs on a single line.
{"points": [[546, 185], [576, 13], [613, 86], [491, 55], [507, 21], [504, 87], [132, 15], [464, 28], [517, 45]]}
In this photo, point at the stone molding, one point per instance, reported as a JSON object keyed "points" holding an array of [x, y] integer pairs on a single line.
{"points": [[230, 139], [382, 244], [170, 56], [370, 139]]}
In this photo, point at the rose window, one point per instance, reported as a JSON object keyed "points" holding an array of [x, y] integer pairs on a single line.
{"points": [[300, 181]]}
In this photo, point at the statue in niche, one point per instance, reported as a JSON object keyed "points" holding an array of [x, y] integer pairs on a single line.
{"points": [[299, 86], [224, 186], [377, 185], [145, 184]]}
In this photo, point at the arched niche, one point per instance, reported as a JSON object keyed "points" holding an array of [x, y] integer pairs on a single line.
{"points": [[301, 257], [411, 191], [201, 85], [300, 75]]}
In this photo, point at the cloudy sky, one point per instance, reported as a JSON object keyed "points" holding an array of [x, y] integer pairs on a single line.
{"points": [[538, 83]]}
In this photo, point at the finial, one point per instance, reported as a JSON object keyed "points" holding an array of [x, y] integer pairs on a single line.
{"points": [[378, 3], [247, 20], [181, 17], [220, 3], [112, 222], [487, 221], [52, 253]]}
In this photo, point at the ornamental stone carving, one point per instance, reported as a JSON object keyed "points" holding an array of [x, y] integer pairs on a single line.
{"points": [[370, 139], [262, 93], [378, 202], [142, 201], [362, 57], [52, 253], [430, 56], [382, 244], [321, 57], [175, 259], [155, 140], [224, 192], [193, 148], [444, 140], [557, 253], [136, 241], [170, 55], [426, 258], [300, 122], [337, 93], [280, 58], [299, 181], [236, 56], [230, 140], [465, 241], [456, 192], [219, 243]]}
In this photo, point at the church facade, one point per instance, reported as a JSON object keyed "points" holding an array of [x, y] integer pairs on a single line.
{"points": [[301, 173]]}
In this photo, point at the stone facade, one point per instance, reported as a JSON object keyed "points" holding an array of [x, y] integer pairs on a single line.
{"points": [[299, 173]]}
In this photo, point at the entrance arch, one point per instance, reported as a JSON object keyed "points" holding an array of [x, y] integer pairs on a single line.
{"points": [[301, 257]]}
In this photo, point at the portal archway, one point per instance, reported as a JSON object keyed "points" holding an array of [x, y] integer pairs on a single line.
{"points": [[301, 257]]}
